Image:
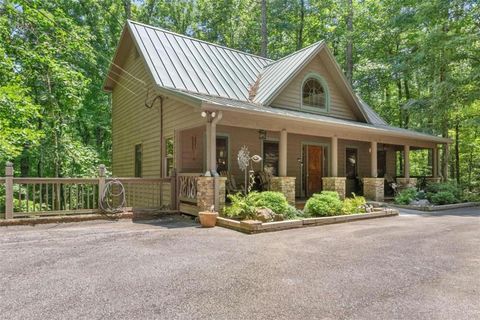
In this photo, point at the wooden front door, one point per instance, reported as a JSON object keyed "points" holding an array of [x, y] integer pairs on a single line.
{"points": [[314, 170]]}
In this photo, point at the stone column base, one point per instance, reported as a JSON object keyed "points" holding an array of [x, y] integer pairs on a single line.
{"points": [[405, 183], [206, 192], [374, 189], [433, 180], [334, 184], [285, 185]]}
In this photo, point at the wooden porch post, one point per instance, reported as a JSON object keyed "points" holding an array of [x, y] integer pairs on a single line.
{"points": [[373, 164], [209, 147], [101, 183], [282, 161], [406, 161], [212, 166], [446, 156], [435, 162], [177, 150], [9, 190], [334, 156]]}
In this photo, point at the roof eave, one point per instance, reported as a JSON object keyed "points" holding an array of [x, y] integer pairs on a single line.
{"points": [[385, 130], [105, 86]]}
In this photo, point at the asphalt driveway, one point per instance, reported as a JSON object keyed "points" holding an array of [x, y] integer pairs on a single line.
{"points": [[407, 267]]}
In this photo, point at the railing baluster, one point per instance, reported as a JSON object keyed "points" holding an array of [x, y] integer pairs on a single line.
{"points": [[33, 197], [27, 200], [47, 197], [19, 197], [88, 197], [58, 196], [41, 197]]}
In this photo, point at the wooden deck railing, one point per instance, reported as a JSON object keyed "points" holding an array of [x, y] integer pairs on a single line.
{"points": [[43, 196], [53, 196]]}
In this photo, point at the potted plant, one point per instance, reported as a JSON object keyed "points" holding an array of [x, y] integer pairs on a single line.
{"points": [[208, 218]]}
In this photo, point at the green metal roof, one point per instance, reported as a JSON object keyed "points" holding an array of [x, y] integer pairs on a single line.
{"points": [[184, 65]]}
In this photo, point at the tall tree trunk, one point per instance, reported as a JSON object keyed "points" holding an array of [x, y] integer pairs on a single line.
{"points": [[400, 103], [470, 163], [349, 48], [263, 49], [407, 98], [150, 9], [446, 155], [457, 152], [301, 25], [127, 6]]}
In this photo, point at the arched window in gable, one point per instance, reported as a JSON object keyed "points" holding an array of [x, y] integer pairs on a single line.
{"points": [[315, 95]]}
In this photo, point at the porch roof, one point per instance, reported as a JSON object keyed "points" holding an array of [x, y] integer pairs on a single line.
{"points": [[209, 102]]}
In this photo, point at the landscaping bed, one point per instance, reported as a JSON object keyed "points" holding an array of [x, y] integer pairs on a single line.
{"points": [[269, 211], [432, 207], [255, 226], [436, 196]]}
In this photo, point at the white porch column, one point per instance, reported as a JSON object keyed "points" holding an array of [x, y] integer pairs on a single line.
{"points": [[213, 149], [406, 161], [373, 164], [334, 156], [435, 162], [282, 161], [209, 147]]}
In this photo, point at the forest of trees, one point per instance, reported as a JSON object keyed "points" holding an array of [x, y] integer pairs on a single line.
{"points": [[417, 63]]}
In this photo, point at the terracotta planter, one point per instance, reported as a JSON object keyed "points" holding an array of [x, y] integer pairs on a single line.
{"points": [[208, 219]]}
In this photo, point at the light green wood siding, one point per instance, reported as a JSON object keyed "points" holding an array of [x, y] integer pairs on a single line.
{"points": [[290, 97], [133, 123]]}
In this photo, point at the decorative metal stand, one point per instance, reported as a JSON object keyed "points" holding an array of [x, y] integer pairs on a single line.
{"points": [[245, 161]]}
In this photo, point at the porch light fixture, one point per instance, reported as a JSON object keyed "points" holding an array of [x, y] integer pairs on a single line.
{"points": [[262, 134], [208, 114]]}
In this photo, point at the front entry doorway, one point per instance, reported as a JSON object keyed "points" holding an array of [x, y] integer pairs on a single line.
{"points": [[314, 168]]}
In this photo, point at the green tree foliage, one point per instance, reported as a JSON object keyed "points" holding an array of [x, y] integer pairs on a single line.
{"points": [[415, 62]]}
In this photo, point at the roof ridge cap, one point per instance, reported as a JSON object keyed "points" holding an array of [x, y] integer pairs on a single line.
{"points": [[199, 40], [295, 52]]}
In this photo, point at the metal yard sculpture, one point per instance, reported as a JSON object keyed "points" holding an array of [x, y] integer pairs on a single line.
{"points": [[245, 161]]}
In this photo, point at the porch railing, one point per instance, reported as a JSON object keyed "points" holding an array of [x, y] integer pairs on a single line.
{"points": [[187, 187], [23, 197]]}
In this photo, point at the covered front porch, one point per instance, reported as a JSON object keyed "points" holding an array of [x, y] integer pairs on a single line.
{"points": [[300, 158]]}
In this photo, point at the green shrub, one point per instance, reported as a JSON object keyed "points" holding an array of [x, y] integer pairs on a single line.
{"points": [[245, 207], [292, 213], [275, 201], [469, 196], [241, 207], [326, 203], [433, 188], [406, 196], [443, 197], [354, 205]]}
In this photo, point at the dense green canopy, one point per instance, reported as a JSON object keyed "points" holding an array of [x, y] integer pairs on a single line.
{"points": [[416, 62]]}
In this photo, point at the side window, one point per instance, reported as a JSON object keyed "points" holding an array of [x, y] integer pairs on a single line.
{"points": [[138, 160], [169, 149]]}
